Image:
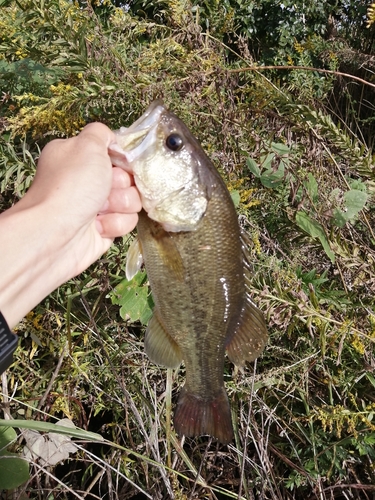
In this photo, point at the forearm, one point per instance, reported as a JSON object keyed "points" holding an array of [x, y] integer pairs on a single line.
{"points": [[77, 204], [29, 264]]}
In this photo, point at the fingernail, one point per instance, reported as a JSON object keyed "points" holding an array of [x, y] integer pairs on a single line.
{"points": [[115, 147]]}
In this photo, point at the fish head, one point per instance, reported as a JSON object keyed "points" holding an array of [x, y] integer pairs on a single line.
{"points": [[166, 162]]}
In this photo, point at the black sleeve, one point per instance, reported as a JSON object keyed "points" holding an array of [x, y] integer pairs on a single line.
{"points": [[8, 344]]}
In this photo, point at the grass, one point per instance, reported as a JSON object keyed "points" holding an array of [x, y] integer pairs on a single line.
{"points": [[303, 413]]}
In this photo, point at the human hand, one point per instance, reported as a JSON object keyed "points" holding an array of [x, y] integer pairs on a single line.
{"points": [[92, 201], [77, 204]]}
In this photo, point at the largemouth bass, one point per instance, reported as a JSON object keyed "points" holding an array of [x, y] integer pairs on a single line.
{"points": [[189, 239]]}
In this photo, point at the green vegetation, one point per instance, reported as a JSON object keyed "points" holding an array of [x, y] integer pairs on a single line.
{"points": [[295, 148]]}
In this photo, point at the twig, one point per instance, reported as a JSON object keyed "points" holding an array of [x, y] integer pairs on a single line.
{"points": [[6, 409], [304, 68], [53, 378]]}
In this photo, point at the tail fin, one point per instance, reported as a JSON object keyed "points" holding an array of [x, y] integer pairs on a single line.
{"points": [[195, 416]]}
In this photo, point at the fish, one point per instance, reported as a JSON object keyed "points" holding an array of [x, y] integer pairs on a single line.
{"points": [[189, 240]]}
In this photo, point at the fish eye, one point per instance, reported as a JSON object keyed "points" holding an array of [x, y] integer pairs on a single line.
{"points": [[174, 142]]}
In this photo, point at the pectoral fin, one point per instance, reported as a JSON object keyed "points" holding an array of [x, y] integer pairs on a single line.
{"points": [[134, 259], [250, 336], [160, 346], [168, 251]]}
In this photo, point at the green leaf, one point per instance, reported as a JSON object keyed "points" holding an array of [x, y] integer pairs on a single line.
{"points": [[358, 184], [272, 179], [339, 217], [267, 160], [235, 195], [7, 435], [14, 471], [253, 167], [134, 298], [280, 148], [355, 200], [312, 187], [315, 230]]}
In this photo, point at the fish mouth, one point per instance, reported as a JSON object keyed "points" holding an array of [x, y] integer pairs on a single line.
{"points": [[129, 139]]}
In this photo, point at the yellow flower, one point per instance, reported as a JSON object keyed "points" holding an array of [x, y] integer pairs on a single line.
{"points": [[298, 47], [370, 15]]}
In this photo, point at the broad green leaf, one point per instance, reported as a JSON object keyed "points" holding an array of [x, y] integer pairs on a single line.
{"points": [[315, 230], [312, 187], [266, 161], [339, 217], [355, 200], [253, 167], [280, 148], [235, 195], [7, 435], [272, 179], [134, 298], [14, 471], [358, 184]]}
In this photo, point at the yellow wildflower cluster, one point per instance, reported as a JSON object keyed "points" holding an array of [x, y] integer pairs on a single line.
{"points": [[358, 344], [158, 54], [60, 89], [333, 61], [42, 119], [257, 246], [105, 3], [119, 18], [298, 47], [28, 96], [246, 195], [33, 320], [228, 21], [371, 15], [21, 54], [7, 28], [338, 418], [179, 10], [372, 324], [285, 279]]}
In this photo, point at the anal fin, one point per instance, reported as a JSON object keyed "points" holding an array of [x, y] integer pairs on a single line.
{"points": [[250, 336], [160, 346]]}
